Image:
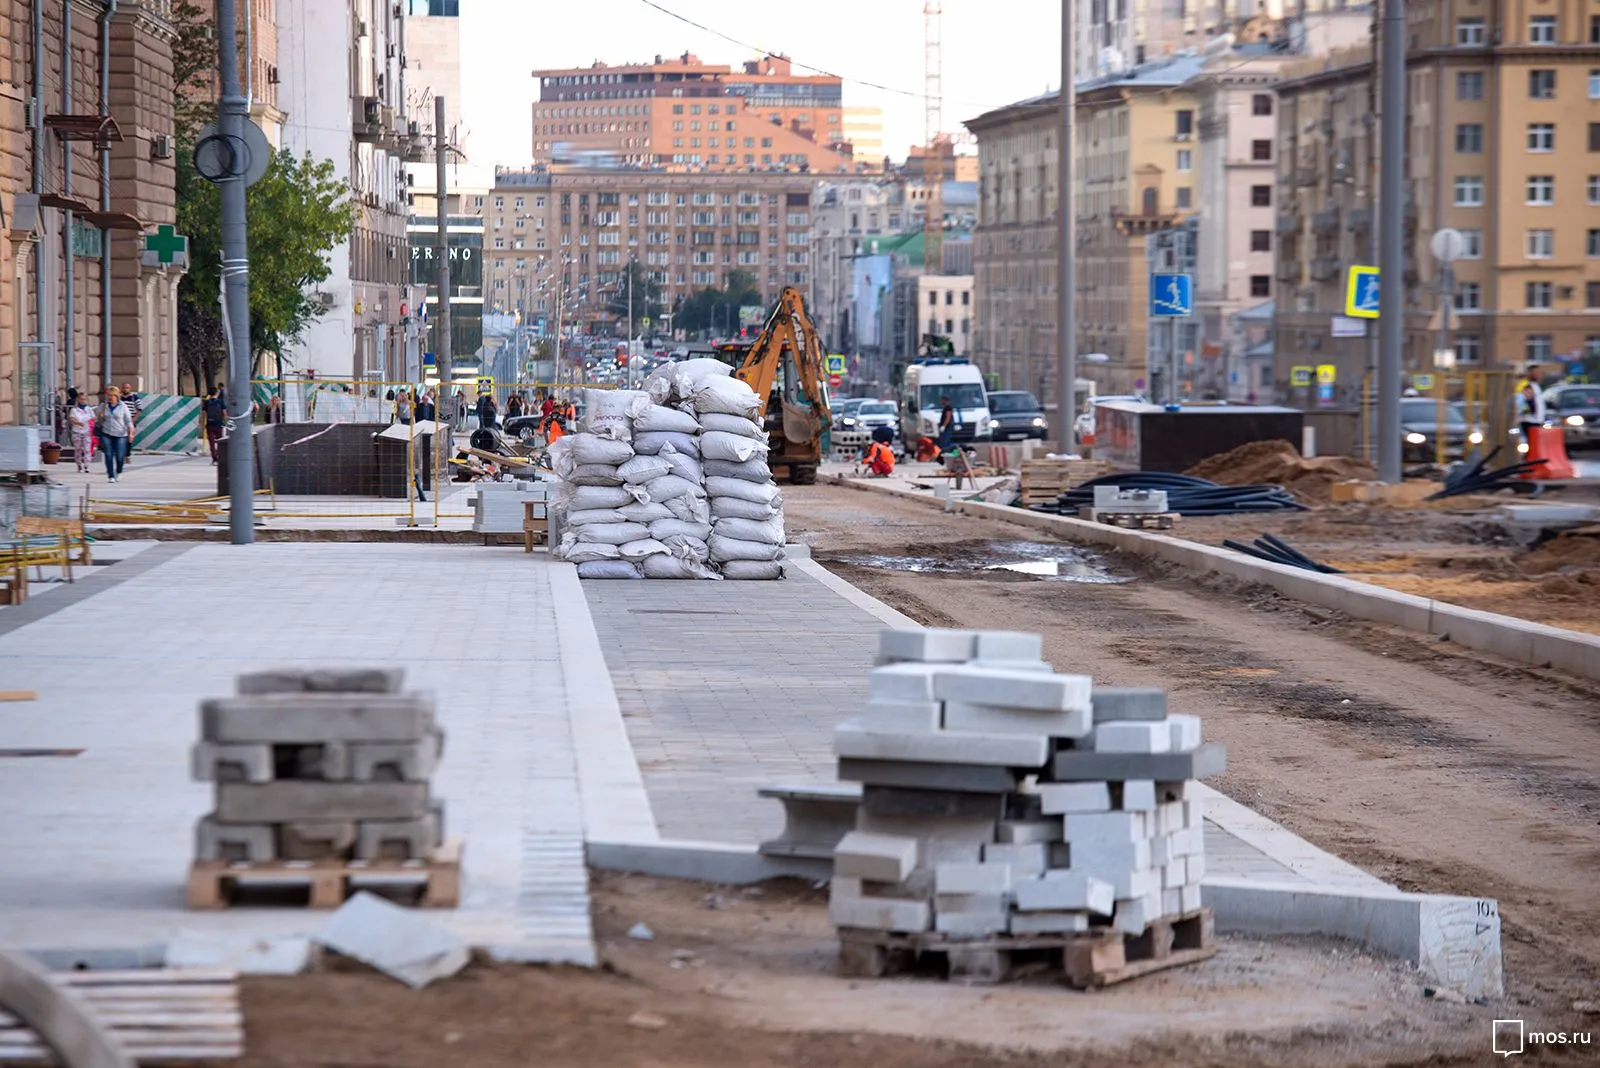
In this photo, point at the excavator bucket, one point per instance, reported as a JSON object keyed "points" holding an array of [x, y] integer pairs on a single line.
{"points": [[800, 425]]}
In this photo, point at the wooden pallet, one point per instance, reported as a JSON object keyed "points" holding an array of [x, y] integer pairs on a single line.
{"points": [[1042, 481], [157, 1016], [1098, 958], [1139, 520], [214, 883]]}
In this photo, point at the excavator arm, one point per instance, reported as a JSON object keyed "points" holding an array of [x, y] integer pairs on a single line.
{"points": [[796, 432]]}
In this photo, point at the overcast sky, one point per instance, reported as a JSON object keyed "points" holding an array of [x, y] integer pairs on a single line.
{"points": [[995, 51]]}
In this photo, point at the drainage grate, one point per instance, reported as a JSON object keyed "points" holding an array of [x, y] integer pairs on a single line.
{"points": [[39, 753]]}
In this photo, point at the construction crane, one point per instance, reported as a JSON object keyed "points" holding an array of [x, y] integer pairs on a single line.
{"points": [[932, 139]]}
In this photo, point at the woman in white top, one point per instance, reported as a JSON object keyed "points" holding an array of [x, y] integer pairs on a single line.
{"points": [[81, 418], [114, 421]]}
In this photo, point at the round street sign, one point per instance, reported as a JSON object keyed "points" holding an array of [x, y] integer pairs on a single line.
{"points": [[1447, 245]]}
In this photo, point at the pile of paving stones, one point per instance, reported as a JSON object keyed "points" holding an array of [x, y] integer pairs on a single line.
{"points": [[1000, 798], [319, 765]]}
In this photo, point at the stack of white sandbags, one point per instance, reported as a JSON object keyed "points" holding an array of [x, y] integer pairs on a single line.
{"points": [[746, 509]]}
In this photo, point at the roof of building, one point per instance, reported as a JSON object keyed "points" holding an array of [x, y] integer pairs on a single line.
{"points": [[1169, 71], [1261, 313]]}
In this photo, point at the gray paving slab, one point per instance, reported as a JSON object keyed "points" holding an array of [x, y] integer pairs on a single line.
{"points": [[94, 848]]}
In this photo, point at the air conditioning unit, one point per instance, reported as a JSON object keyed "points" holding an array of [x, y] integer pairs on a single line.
{"points": [[30, 114], [361, 28], [161, 147], [325, 299]]}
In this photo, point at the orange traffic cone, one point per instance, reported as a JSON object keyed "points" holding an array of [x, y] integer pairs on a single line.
{"points": [[1549, 443]]}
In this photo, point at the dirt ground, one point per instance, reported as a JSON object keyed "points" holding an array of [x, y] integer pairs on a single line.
{"points": [[741, 977], [1436, 769]]}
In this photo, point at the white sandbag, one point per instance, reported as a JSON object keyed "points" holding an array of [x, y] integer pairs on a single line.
{"points": [[734, 508], [609, 569], [728, 396], [560, 453], [752, 569], [612, 533], [643, 469], [745, 491], [581, 498], [583, 517], [678, 528], [578, 552], [682, 464], [590, 449], [638, 550], [651, 442], [690, 509], [659, 417], [686, 548], [609, 413], [647, 512], [754, 469], [666, 487], [769, 531], [732, 424], [593, 475], [720, 445], [688, 376], [725, 549], [673, 567]]}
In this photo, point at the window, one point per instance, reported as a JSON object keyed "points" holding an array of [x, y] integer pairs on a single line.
{"points": [[1542, 29], [1537, 295], [1592, 187], [1542, 136], [1469, 137], [933, 298], [1261, 285], [1594, 85], [1185, 160], [1261, 151], [1185, 124], [1469, 296], [1260, 240], [1472, 244], [1261, 104], [966, 297], [1185, 197], [1594, 29], [1261, 196], [1469, 31], [1541, 189], [1594, 137], [1469, 85], [1541, 244], [1537, 348], [1541, 85], [1469, 192], [1469, 348]]}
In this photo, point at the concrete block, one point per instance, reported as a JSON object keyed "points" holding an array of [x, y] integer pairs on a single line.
{"points": [[321, 680], [1008, 645], [930, 830], [397, 941], [1013, 689], [1138, 795], [1023, 858], [1161, 853], [972, 879], [214, 840], [853, 739], [1076, 765], [1036, 666], [1177, 791], [1100, 857], [1107, 827], [898, 801], [928, 775], [931, 646], [316, 839], [904, 715], [1184, 733], [1043, 923], [1131, 738], [1171, 902], [1016, 831], [1189, 898], [278, 802], [1189, 842], [881, 858], [1166, 819], [1194, 813], [971, 924], [1068, 798], [394, 761], [902, 682], [241, 952], [400, 839], [1133, 916], [1118, 703], [1175, 874], [1194, 868], [971, 903], [848, 907], [1065, 892], [1060, 855], [987, 719], [1125, 882], [211, 762], [302, 718]]}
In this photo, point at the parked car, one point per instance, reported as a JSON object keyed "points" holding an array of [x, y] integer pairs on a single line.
{"points": [[844, 412], [1421, 428], [1017, 414], [872, 414], [1576, 409]]}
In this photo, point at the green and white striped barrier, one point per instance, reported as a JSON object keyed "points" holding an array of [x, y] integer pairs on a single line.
{"points": [[168, 424]]}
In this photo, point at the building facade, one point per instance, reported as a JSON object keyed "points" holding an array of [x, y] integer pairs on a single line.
{"points": [[86, 171], [847, 216], [945, 308], [683, 113], [343, 88], [432, 47]]}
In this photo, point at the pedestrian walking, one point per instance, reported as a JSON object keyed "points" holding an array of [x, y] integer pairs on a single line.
{"points": [[135, 403], [114, 421], [216, 416], [947, 424], [425, 412], [275, 409], [81, 419], [514, 406], [487, 410]]}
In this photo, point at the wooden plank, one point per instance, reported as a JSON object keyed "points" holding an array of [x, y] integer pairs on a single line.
{"points": [[19, 695], [1134, 969], [139, 1020], [146, 977]]}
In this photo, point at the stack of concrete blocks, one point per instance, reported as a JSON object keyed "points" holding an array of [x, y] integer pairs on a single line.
{"points": [[1001, 798], [499, 507], [319, 765]]}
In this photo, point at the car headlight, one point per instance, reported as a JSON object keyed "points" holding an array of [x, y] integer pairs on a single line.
{"points": [[1475, 438], [848, 421], [1414, 438], [1574, 420], [1039, 422], [1522, 446]]}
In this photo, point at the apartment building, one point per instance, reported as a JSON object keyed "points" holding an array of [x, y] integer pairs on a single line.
{"points": [[683, 113], [1132, 128], [432, 47], [343, 86], [944, 306], [847, 214], [86, 171]]}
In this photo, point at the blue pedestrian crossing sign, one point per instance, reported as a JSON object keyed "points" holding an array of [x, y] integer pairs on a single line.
{"points": [[1361, 293], [1171, 294], [835, 363]]}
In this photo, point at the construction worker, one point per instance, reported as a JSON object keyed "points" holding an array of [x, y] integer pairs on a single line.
{"points": [[1530, 410], [879, 459]]}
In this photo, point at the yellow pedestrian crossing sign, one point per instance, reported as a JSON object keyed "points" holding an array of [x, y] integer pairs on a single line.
{"points": [[835, 364], [1361, 292], [1300, 376]]}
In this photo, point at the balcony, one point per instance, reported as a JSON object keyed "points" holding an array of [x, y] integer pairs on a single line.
{"points": [[1324, 222], [1325, 269], [1287, 270], [1361, 219], [1288, 224]]}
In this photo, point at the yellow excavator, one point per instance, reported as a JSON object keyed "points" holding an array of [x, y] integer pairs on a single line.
{"points": [[785, 364]]}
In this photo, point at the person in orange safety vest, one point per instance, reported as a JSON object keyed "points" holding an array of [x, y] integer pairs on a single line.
{"points": [[879, 459]]}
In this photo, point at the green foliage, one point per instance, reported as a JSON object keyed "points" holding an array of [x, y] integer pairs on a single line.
{"points": [[718, 309], [194, 66]]}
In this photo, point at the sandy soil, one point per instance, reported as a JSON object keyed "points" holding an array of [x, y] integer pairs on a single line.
{"points": [[740, 977], [1437, 770]]}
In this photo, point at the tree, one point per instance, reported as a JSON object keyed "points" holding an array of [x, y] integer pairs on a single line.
{"points": [[194, 66], [646, 295], [717, 310]]}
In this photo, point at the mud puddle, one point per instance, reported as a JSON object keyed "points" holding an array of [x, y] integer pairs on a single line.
{"points": [[1039, 560]]}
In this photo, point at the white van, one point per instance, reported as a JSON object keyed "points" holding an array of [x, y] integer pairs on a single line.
{"points": [[927, 384]]}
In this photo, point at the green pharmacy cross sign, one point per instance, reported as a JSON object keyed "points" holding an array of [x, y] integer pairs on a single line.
{"points": [[166, 245]]}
